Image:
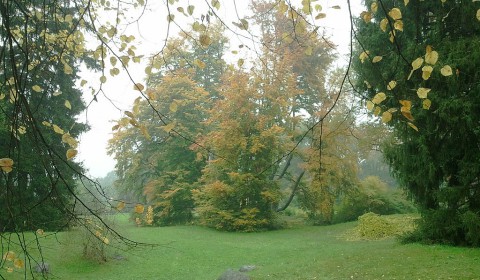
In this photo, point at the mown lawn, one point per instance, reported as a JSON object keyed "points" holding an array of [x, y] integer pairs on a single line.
{"points": [[192, 252]]}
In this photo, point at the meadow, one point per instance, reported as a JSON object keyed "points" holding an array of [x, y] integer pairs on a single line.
{"points": [[300, 252]]}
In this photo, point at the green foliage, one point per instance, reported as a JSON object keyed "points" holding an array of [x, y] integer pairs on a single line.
{"points": [[435, 152], [372, 195], [171, 197], [447, 227]]}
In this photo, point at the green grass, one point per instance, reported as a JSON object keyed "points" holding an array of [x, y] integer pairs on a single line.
{"points": [[192, 252]]}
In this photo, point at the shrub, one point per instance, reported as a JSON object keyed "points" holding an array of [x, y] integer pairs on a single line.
{"points": [[372, 195], [447, 226]]}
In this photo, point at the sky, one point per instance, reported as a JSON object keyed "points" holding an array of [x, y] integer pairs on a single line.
{"points": [[151, 31]]}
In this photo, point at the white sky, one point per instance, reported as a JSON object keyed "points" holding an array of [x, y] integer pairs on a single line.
{"points": [[151, 30]]}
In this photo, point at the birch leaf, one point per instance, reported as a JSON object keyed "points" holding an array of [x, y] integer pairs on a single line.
{"points": [[423, 92], [446, 71], [377, 59], [379, 98], [71, 153]]}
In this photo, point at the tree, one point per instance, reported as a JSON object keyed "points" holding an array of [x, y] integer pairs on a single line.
{"points": [[237, 193], [39, 105], [153, 149], [332, 155], [425, 87]]}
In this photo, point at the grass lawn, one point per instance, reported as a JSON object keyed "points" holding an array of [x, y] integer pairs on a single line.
{"points": [[192, 252]]}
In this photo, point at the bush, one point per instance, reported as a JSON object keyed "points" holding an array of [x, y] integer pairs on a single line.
{"points": [[447, 226], [241, 203], [373, 195]]}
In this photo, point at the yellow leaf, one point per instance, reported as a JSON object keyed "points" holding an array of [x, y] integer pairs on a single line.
{"points": [[384, 24], [144, 131], [103, 79], [392, 110], [413, 126], [200, 64], [426, 104], [309, 51], [67, 69], [426, 72], [423, 92], [129, 114], [367, 84], [417, 63], [6, 164], [406, 2], [321, 15], [139, 208], [386, 117], [167, 128], [395, 13], [190, 9], [133, 122], [67, 138], [391, 85], [205, 40], [398, 25], [47, 124], [406, 105], [377, 59], [40, 231], [68, 105], [240, 62], [105, 240], [379, 98], [370, 105], [9, 269], [336, 7], [446, 71], [114, 71], [22, 130], [392, 36], [374, 6], [57, 129], [216, 4], [57, 93], [9, 256], [139, 87], [37, 88], [408, 115], [363, 56], [367, 16], [377, 111], [431, 57], [173, 106], [18, 263], [120, 205], [115, 127], [83, 82], [478, 14], [71, 153]]}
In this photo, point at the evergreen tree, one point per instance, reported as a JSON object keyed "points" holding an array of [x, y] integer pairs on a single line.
{"points": [[419, 66], [39, 103]]}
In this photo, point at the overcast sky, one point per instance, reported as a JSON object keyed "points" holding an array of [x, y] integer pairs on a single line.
{"points": [[151, 31]]}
